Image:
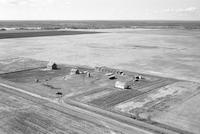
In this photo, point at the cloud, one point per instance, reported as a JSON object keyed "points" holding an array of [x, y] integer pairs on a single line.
{"points": [[29, 2], [181, 10], [14, 2]]}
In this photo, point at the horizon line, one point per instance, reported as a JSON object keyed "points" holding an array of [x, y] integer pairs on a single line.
{"points": [[98, 20]]}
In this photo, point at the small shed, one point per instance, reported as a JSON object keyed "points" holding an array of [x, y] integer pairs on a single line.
{"points": [[123, 84], [138, 77], [52, 66], [74, 71]]}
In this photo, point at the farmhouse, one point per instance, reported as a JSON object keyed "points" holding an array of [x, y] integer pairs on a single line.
{"points": [[52, 66]]}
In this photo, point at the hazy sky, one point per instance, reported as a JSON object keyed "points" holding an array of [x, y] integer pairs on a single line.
{"points": [[100, 9]]}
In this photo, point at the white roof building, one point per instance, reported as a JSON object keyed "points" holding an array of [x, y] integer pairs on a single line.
{"points": [[123, 85]]}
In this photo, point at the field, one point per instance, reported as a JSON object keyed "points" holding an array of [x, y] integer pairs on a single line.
{"points": [[29, 116], [167, 101], [115, 98], [18, 64], [96, 91], [150, 99], [165, 53], [171, 105], [39, 118], [185, 116], [38, 33]]}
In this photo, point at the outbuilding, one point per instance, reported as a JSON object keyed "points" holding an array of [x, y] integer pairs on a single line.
{"points": [[123, 84], [74, 71], [110, 76], [138, 77]]}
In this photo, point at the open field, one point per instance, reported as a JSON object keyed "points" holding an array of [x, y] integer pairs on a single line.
{"points": [[156, 100], [185, 116], [22, 114], [143, 128], [171, 105], [17, 64], [115, 98], [166, 53]]}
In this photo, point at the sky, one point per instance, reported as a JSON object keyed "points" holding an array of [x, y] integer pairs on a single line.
{"points": [[99, 9]]}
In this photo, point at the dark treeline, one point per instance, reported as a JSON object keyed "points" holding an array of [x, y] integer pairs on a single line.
{"points": [[22, 25]]}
